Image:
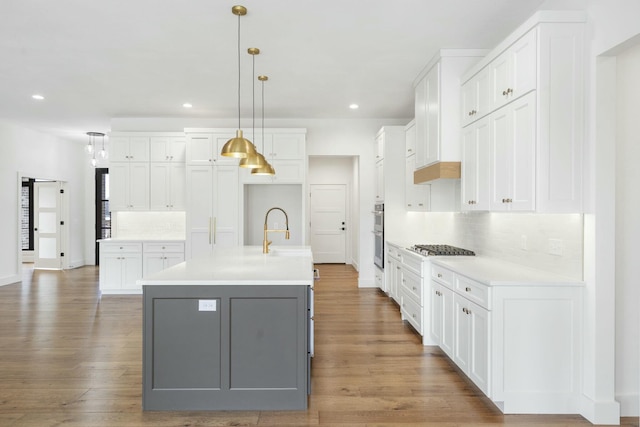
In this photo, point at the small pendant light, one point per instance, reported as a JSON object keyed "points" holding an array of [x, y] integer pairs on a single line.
{"points": [[239, 146], [266, 169], [91, 146], [257, 160]]}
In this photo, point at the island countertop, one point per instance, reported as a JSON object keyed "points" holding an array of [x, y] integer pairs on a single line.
{"points": [[242, 265]]}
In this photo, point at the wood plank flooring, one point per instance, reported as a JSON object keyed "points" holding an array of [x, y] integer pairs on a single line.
{"points": [[69, 357]]}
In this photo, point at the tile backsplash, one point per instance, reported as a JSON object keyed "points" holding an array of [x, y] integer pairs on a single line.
{"points": [[149, 225], [550, 242]]}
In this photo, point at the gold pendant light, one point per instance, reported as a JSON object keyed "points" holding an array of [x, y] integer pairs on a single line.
{"points": [[239, 146], [257, 160], [266, 169]]}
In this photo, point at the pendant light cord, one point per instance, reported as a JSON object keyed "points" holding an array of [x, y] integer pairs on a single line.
{"points": [[239, 72], [253, 97], [263, 116]]}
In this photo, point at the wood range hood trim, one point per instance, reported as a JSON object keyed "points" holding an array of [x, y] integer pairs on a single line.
{"points": [[449, 170]]}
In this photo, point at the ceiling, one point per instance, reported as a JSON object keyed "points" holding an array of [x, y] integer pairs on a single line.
{"points": [[95, 60]]}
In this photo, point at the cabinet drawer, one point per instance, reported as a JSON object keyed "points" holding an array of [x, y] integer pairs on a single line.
{"points": [[442, 275], [121, 247], [413, 262], [163, 247], [411, 310], [413, 285], [394, 252], [473, 291]]}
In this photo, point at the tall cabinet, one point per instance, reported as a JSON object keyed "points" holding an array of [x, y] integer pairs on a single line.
{"points": [[212, 194]]}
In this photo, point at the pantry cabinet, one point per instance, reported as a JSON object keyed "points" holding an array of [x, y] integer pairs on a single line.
{"points": [[212, 208]]}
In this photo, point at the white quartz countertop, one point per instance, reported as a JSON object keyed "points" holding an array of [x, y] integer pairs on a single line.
{"points": [[494, 272], [243, 265]]}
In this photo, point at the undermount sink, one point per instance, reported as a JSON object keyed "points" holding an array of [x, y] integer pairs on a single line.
{"points": [[283, 251]]}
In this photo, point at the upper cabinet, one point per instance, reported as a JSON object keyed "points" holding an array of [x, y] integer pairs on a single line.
{"points": [[204, 147], [437, 106], [167, 149], [530, 88], [128, 148]]}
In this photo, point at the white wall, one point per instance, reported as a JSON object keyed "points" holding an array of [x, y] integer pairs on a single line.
{"points": [[259, 198], [38, 155], [627, 231], [337, 170]]}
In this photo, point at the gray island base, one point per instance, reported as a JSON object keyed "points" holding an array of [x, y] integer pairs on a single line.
{"points": [[232, 346]]}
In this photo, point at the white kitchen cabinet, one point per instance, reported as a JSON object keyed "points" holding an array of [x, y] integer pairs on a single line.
{"points": [[167, 187], [476, 166], [158, 256], [471, 341], [513, 136], [379, 146], [416, 197], [517, 337], [379, 168], [393, 275], [168, 149], [212, 208], [513, 73], [129, 186], [120, 267], [442, 330], [379, 279], [410, 138], [438, 106], [203, 148], [475, 98], [285, 146], [128, 148], [542, 62]]}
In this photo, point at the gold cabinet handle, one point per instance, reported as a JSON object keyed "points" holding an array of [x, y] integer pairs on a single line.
{"points": [[215, 229], [209, 230]]}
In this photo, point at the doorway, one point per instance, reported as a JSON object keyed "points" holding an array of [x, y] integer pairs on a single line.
{"points": [[102, 209], [47, 225]]}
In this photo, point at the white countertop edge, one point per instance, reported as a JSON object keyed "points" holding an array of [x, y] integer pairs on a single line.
{"points": [[116, 240], [226, 283], [493, 272]]}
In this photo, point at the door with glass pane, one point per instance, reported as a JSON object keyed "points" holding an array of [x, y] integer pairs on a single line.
{"points": [[46, 218]]}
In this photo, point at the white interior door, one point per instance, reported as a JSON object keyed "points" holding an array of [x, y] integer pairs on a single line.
{"points": [[46, 218], [328, 223]]}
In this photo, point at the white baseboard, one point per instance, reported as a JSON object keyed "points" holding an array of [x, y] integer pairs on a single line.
{"points": [[8, 280], [602, 412], [77, 263], [367, 283], [629, 404]]}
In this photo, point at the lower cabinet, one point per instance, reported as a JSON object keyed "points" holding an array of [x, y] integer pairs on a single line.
{"points": [[519, 342], [122, 263]]}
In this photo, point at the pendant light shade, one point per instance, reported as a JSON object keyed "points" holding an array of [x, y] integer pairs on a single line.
{"points": [[267, 169], [239, 146], [91, 147]]}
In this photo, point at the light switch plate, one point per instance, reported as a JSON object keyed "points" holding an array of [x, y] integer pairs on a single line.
{"points": [[556, 246], [207, 305]]}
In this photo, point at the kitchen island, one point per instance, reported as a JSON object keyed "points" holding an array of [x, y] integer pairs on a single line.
{"points": [[230, 331]]}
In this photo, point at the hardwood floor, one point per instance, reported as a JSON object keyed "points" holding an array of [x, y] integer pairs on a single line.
{"points": [[69, 357]]}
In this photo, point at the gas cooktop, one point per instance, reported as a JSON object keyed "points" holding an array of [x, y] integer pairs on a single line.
{"points": [[442, 250]]}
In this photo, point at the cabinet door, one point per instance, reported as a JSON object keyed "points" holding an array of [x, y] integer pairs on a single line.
{"points": [[432, 154], [288, 147], [171, 259], [523, 116], [410, 140], [500, 159], [138, 186], [177, 149], [448, 321], [380, 181], [110, 271], [178, 186], [131, 270], [469, 101], [379, 147], [159, 149], [225, 206], [523, 66], [160, 183], [479, 346], [421, 122], [436, 313], [461, 333], [416, 195], [218, 141], [500, 80], [139, 149], [118, 186], [152, 263], [199, 210], [119, 149], [476, 171], [200, 150]]}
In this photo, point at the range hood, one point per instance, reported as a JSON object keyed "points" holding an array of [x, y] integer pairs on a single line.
{"points": [[440, 170]]}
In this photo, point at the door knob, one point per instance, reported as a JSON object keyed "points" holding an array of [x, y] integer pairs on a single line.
{"points": [[342, 228]]}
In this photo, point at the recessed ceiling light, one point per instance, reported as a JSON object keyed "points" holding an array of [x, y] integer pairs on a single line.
{"points": [[187, 105], [354, 106], [38, 97]]}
